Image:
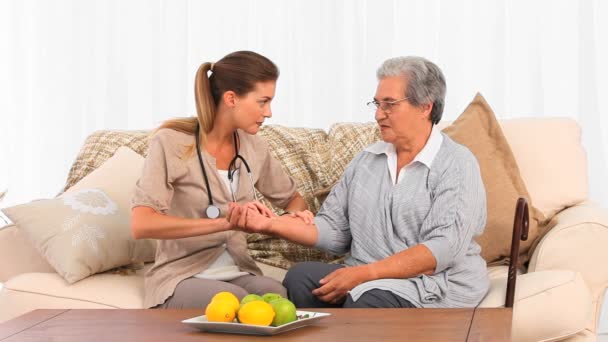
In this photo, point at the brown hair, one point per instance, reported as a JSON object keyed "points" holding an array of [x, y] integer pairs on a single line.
{"points": [[239, 72]]}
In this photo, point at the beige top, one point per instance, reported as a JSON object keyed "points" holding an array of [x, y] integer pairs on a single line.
{"points": [[175, 186]]}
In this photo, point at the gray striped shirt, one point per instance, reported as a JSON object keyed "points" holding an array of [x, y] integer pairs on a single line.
{"points": [[442, 207]]}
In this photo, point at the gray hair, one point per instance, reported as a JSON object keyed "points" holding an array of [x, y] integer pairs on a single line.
{"points": [[425, 81]]}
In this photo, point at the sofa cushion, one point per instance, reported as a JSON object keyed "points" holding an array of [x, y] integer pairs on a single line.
{"points": [[30, 291], [548, 305], [300, 152], [478, 129], [548, 151], [87, 229], [17, 255]]}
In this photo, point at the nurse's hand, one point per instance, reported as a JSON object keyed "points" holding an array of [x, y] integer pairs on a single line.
{"points": [[256, 222], [247, 219], [261, 208], [305, 215], [234, 214]]}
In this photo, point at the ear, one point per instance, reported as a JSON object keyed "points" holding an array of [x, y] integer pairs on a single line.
{"points": [[229, 98], [425, 110]]}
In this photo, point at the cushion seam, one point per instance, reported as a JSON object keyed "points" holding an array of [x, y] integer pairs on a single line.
{"points": [[569, 281], [61, 297]]}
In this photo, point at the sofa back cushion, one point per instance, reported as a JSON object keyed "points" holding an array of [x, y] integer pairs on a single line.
{"points": [[302, 154], [551, 160], [101, 146], [316, 160]]}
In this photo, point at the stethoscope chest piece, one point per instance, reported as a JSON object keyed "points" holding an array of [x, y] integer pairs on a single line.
{"points": [[212, 212]]}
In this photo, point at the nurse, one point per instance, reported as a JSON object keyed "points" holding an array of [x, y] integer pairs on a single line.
{"points": [[194, 168]]}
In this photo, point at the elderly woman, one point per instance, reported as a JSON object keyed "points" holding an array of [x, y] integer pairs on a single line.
{"points": [[406, 210]]}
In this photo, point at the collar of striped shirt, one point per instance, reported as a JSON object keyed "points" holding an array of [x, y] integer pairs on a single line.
{"points": [[425, 156]]}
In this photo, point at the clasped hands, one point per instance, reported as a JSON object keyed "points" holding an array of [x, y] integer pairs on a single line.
{"points": [[255, 217]]}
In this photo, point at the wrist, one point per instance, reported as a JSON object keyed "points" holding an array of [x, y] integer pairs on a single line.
{"points": [[273, 226], [224, 224], [368, 272]]}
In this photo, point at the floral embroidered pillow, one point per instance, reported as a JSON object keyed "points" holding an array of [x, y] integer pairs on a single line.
{"points": [[86, 230]]}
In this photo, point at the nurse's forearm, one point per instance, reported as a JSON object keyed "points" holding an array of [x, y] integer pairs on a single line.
{"points": [[297, 203], [294, 230], [146, 223]]}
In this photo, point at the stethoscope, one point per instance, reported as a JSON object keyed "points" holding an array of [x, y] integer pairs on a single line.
{"points": [[212, 210]]}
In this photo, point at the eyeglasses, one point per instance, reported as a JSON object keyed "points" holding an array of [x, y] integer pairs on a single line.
{"points": [[385, 106]]}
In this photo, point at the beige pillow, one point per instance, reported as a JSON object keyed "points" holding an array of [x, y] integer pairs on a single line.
{"points": [[477, 129], [548, 151], [86, 230]]}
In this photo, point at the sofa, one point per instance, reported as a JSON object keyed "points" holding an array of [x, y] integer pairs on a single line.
{"points": [[559, 290]]}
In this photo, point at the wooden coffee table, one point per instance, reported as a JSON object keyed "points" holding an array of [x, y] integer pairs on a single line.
{"points": [[342, 325]]}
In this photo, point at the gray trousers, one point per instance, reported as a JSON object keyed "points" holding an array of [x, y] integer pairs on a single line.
{"points": [[197, 293], [304, 277]]}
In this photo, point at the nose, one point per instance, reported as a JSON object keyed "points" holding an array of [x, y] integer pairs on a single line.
{"points": [[379, 114], [268, 114]]}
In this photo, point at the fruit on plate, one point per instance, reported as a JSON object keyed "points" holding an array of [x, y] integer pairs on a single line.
{"points": [[228, 297], [222, 308], [250, 298], [285, 312], [256, 313], [220, 311], [269, 297]]}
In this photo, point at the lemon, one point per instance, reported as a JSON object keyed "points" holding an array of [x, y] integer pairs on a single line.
{"points": [[256, 313], [220, 311], [228, 297]]}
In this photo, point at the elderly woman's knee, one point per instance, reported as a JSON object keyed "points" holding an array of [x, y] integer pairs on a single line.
{"points": [[298, 273]]}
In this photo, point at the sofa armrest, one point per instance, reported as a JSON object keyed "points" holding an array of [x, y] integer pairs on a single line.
{"points": [[578, 242], [17, 255]]}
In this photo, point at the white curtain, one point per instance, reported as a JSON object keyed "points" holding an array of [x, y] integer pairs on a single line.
{"points": [[68, 68]]}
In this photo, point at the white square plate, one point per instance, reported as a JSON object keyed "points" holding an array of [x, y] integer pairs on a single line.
{"points": [[202, 324]]}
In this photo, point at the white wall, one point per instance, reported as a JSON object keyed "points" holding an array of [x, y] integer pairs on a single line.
{"points": [[68, 68]]}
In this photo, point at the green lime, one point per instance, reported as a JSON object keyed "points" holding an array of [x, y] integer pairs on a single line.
{"points": [[250, 298], [269, 297], [285, 312]]}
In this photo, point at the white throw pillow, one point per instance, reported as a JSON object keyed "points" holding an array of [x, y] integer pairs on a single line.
{"points": [[86, 230]]}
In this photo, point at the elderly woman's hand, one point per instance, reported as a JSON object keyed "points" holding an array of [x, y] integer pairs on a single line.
{"points": [[335, 286]]}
